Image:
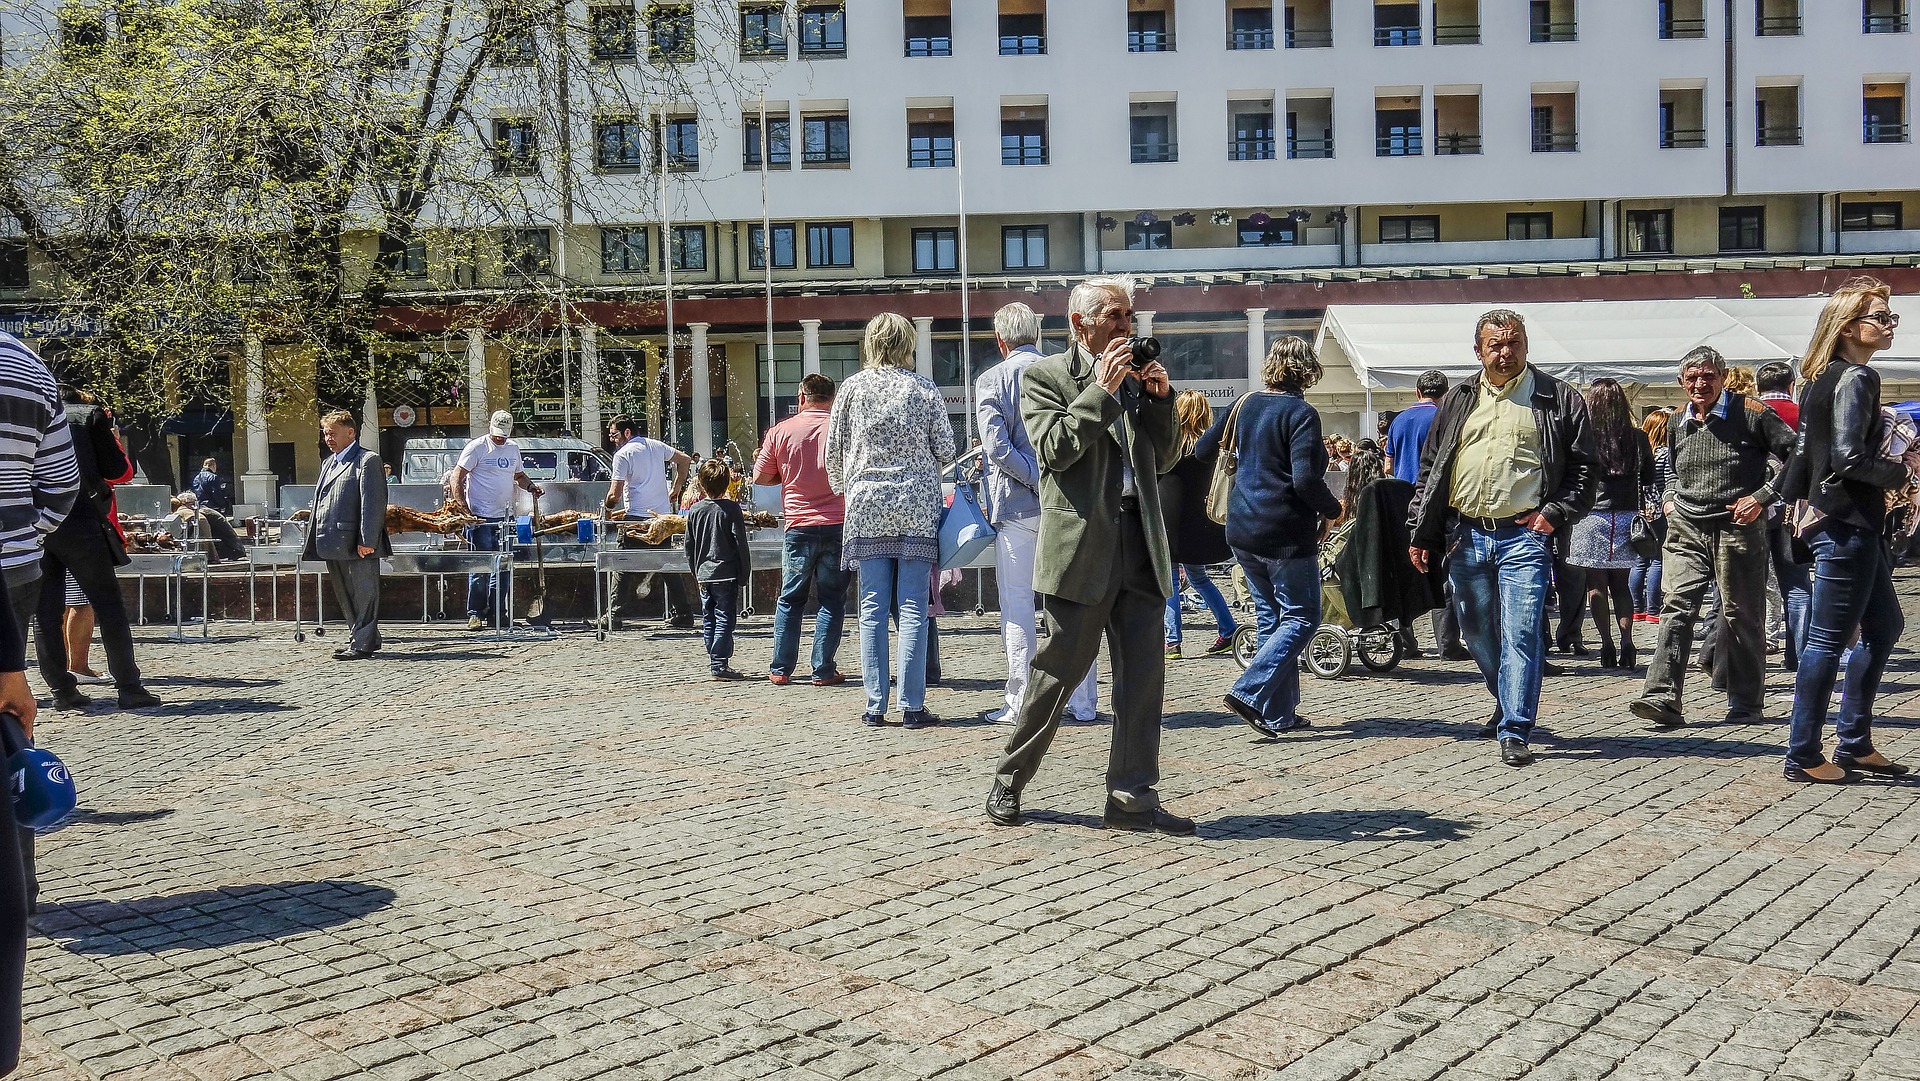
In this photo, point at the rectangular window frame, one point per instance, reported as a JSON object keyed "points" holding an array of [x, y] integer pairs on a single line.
{"points": [[1647, 232], [671, 34], [1872, 217], [823, 30], [1409, 229], [625, 249], [1024, 142], [400, 259], [510, 39], [527, 252], [829, 244], [763, 32], [779, 143], [612, 34], [15, 263], [1280, 232], [1745, 226], [1530, 225], [620, 144], [516, 147], [930, 144], [1257, 34], [1024, 238], [1152, 236], [929, 35], [785, 239], [680, 143], [689, 247], [936, 250], [826, 141], [1023, 33]]}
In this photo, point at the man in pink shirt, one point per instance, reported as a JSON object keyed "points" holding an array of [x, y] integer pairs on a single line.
{"points": [[793, 456]]}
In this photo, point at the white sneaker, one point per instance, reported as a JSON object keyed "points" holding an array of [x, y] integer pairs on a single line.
{"points": [[82, 677]]}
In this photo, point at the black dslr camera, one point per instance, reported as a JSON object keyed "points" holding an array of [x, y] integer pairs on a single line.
{"points": [[1146, 349]]}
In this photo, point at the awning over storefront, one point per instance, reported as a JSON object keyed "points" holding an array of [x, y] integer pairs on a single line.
{"points": [[1642, 341]]}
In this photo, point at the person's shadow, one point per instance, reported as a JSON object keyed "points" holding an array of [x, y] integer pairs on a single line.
{"points": [[1366, 824], [207, 919]]}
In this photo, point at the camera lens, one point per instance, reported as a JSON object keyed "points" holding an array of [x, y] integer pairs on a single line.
{"points": [[1146, 349]]}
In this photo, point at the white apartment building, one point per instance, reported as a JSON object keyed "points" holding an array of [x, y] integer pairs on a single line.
{"points": [[1252, 160]]}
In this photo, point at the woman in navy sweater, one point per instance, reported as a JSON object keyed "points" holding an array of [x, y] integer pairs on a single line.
{"points": [[1276, 518]]}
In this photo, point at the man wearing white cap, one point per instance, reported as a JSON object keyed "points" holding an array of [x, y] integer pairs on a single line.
{"points": [[488, 472]]}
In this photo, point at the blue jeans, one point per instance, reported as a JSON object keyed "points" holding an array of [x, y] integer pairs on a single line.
{"points": [[1644, 583], [1501, 581], [809, 556], [483, 590], [1209, 593], [1796, 586], [1286, 602], [1852, 587], [885, 583], [719, 609]]}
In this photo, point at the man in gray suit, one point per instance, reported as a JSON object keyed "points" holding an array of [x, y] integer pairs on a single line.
{"points": [[349, 530], [1101, 424]]}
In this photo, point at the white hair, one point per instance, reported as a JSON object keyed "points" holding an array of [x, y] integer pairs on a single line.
{"points": [[1016, 324], [1091, 295]]}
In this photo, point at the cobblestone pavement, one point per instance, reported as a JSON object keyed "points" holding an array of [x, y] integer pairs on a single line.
{"points": [[567, 859]]}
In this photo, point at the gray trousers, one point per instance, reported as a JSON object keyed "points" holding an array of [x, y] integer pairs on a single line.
{"points": [[356, 585], [1131, 613], [1693, 558]]}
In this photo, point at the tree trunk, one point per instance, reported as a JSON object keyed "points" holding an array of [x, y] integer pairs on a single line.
{"points": [[150, 450]]}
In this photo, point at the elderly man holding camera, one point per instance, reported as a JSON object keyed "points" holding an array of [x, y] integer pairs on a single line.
{"points": [[1100, 417]]}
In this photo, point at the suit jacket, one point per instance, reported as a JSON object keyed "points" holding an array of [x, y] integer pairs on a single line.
{"points": [[350, 509], [1071, 421]]}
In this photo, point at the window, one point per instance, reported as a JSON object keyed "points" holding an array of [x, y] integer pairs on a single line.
{"points": [[1682, 114], [1268, 232], [1147, 32], [1154, 236], [1252, 137], [611, 34], [1396, 133], [1883, 114], [1869, 217], [403, 258], [1884, 16], [1396, 24], [680, 136], [1250, 28], [1023, 247], [1681, 19], [1302, 142], [830, 244], [1743, 228], [1152, 139], [823, 30], [514, 148], [82, 32], [670, 35], [1409, 229], [761, 32], [936, 249], [1649, 232], [930, 35], [779, 143], [930, 145], [824, 140], [528, 251], [620, 144], [623, 249], [1551, 20], [689, 247], [1551, 124], [1023, 35], [13, 264], [782, 247], [510, 37], [1023, 142], [1776, 18], [1530, 226], [1776, 116]]}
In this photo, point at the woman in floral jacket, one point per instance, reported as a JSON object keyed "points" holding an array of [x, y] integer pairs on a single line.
{"points": [[888, 439]]}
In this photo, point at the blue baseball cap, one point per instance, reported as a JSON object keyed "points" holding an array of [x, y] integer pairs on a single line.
{"points": [[43, 791]]}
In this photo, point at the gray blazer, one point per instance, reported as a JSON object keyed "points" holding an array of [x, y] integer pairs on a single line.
{"points": [[350, 509]]}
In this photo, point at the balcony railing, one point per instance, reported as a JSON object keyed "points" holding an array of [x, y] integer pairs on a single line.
{"points": [[1683, 138], [1022, 45], [1555, 142], [1149, 41], [1683, 28], [1891, 23], [1777, 26], [1778, 135], [1877, 131], [1456, 34], [1310, 39], [1155, 153], [1310, 148], [1250, 39], [1396, 35], [1250, 149], [930, 45], [1397, 146], [1455, 143], [1566, 31]]}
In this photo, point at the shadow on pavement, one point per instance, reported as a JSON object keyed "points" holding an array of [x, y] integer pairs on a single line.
{"points": [[1666, 746], [1061, 818], [208, 919], [87, 816], [218, 705], [211, 681], [1384, 824]]}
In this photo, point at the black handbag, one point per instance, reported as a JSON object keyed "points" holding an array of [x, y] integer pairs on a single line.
{"points": [[1642, 537]]}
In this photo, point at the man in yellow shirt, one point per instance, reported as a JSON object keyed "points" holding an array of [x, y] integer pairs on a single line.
{"points": [[1509, 462]]}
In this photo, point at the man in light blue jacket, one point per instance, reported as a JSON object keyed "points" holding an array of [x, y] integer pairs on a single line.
{"points": [[1013, 505]]}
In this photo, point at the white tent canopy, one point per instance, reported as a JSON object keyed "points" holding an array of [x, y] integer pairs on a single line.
{"points": [[1634, 341]]}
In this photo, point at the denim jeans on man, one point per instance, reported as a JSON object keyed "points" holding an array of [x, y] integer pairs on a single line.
{"points": [[1286, 603], [1209, 595], [1501, 580], [1796, 583], [879, 594], [483, 589], [809, 557], [1852, 587], [719, 609]]}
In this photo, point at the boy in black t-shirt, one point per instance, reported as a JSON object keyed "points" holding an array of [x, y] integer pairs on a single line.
{"points": [[717, 552]]}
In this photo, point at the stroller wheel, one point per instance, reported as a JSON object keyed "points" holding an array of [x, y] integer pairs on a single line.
{"points": [[1379, 650], [1329, 652], [1244, 645]]}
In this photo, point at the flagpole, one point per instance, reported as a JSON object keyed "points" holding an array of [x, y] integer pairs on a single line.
{"points": [[966, 314], [766, 262], [666, 262]]}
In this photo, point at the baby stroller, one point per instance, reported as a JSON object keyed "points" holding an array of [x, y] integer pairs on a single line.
{"points": [[1330, 652]]}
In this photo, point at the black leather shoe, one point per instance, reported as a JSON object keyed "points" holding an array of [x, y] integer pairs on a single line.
{"points": [[1245, 711], [1514, 752], [72, 701], [138, 698], [1157, 820], [353, 655], [918, 718], [1003, 805], [1661, 714], [1456, 653], [873, 720]]}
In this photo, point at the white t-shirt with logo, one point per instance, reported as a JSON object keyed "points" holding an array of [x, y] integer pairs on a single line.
{"points": [[642, 465], [490, 472]]}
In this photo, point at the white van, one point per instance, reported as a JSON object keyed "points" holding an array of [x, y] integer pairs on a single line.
{"points": [[425, 460]]}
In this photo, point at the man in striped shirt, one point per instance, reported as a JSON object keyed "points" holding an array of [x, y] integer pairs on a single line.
{"points": [[39, 478]]}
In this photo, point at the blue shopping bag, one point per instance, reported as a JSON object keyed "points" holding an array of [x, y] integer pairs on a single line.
{"points": [[964, 532]]}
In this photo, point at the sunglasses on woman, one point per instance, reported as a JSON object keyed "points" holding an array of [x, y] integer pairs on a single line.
{"points": [[1887, 320]]}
